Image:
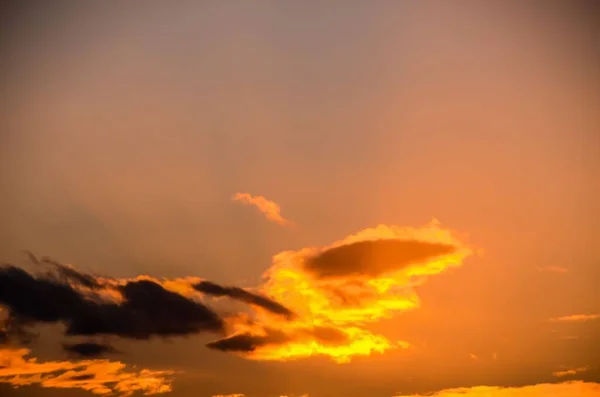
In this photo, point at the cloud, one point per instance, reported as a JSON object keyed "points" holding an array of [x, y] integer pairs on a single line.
{"points": [[270, 208], [247, 342], [229, 395], [316, 301], [65, 273], [372, 258], [240, 294], [373, 282], [569, 372], [146, 309], [243, 395], [97, 376], [565, 389], [576, 318], [88, 349]]}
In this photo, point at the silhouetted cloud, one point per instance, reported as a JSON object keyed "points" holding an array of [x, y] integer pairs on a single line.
{"points": [[147, 309], [88, 349], [209, 288], [373, 258], [270, 208], [64, 272], [248, 342]]}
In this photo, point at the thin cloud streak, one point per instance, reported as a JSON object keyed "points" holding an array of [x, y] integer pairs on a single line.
{"points": [[569, 372], [269, 208], [565, 389], [576, 318]]}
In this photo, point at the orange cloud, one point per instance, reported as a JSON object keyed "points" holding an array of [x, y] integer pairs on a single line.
{"points": [[97, 376], [565, 389], [576, 318], [569, 372], [313, 301], [270, 208], [337, 290]]}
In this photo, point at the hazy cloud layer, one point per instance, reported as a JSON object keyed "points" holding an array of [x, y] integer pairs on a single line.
{"points": [[270, 208]]}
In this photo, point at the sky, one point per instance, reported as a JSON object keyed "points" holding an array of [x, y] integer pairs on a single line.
{"points": [[301, 199]]}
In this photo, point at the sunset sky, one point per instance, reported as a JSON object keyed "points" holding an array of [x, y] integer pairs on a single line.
{"points": [[301, 199]]}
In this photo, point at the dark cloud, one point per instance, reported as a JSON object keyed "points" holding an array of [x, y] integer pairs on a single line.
{"points": [[71, 275], [88, 349], [65, 273], [82, 377], [240, 294], [247, 342], [373, 258], [147, 309]]}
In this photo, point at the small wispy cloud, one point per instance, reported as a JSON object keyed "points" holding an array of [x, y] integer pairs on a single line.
{"points": [[564, 389], [569, 372], [271, 209], [230, 395], [552, 269], [576, 318]]}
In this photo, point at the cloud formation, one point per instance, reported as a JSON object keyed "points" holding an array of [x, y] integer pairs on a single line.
{"points": [[336, 290], [97, 376], [576, 318], [145, 309], [371, 258], [270, 208], [565, 389], [88, 349], [313, 302]]}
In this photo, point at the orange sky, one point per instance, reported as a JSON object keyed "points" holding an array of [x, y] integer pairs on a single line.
{"points": [[418, 183]]}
